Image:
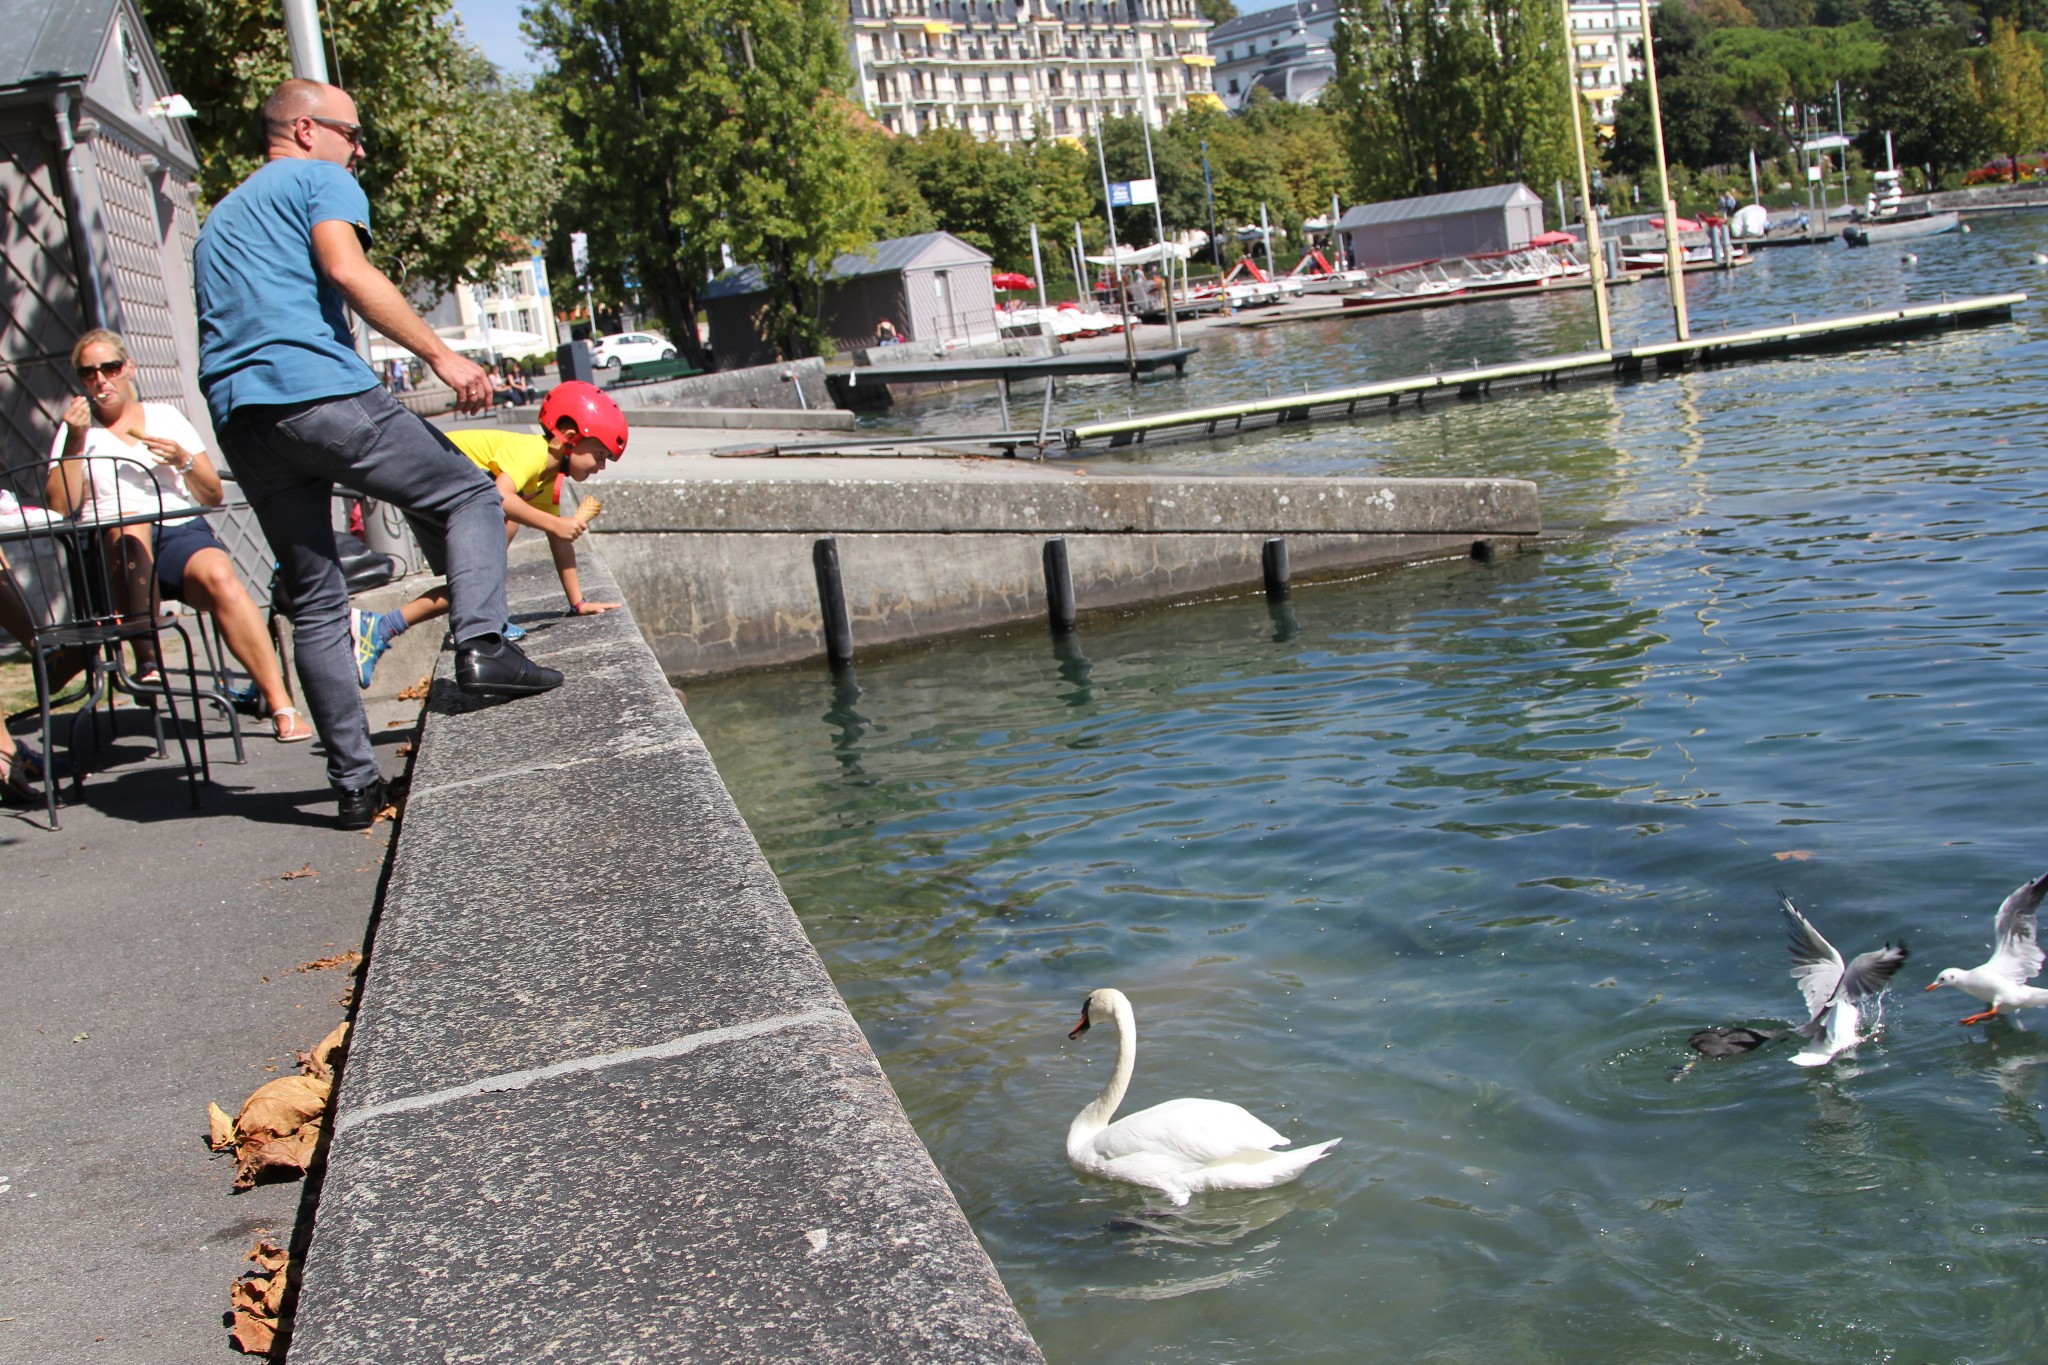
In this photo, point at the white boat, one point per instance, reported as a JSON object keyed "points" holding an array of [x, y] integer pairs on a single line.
{"points": [[1900, 229]]}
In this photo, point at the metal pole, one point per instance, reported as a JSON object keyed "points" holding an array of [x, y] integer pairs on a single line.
{"points": [[1123, 303], [837, 627], [1152, 171], [1209, 193], [1266, 231], [302, 37], [1674, 253], [1273, 560], [1596, 259], [1038, 269], [1059, 586]]}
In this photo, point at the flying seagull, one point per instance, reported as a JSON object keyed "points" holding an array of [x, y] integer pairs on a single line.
{"points": [[1833, 989]]}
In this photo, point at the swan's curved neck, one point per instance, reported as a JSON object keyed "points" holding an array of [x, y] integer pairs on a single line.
{"points": [[1096, 1116]]}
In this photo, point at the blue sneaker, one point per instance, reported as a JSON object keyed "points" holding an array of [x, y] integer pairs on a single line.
{"points": [[366, 627], [513, 632]]}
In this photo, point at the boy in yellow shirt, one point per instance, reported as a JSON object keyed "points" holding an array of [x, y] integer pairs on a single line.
{"points": [[582, 430]]}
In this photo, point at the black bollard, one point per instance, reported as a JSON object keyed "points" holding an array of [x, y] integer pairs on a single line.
{"points": [[1059, 586], [1482, 551], [1273, 558], [832, 604]]}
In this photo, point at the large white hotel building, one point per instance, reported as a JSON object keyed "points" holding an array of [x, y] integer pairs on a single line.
{"points": [[1001, 68]]}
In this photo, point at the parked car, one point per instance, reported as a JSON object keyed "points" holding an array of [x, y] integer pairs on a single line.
{"points": [[630, 348]]}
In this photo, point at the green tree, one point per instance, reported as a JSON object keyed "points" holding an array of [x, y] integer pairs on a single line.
{"points": [[1436, 95], [702, 124], [1216, 11], [462, 169], [1924, 97], [2010, 89], [1901, 16], [981, 192]]}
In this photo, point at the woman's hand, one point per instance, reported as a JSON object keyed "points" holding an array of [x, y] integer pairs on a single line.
{"points": [[167, 452], [77, 422]]}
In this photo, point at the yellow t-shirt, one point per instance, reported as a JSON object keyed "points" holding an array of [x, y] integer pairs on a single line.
{"points": [[520, 456]]}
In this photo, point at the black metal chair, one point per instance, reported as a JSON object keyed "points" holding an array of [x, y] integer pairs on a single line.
{"points": [[60, 568]]}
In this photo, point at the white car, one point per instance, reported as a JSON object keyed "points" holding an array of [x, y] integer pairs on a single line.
{"points": [[630, 348]]}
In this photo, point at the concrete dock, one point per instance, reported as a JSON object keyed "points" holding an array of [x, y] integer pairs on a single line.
{"points": [[715, 555], [603, 1102]]}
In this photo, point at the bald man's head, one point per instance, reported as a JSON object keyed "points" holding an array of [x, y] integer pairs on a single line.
{"points": [[294, 99]]}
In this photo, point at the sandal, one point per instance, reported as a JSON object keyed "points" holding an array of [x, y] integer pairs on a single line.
{"points": [[288, 725], [16, 789]]}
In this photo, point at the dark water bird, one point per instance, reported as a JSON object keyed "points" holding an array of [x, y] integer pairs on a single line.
{"points": [[1833, 988], [2001, 982], [1731, 1042]]}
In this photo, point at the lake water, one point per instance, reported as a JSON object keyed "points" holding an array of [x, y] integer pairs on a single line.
{"points": [[1447, 861]]}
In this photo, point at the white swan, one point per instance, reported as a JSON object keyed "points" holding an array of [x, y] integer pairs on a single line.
{"points": [[1182, 1146]]}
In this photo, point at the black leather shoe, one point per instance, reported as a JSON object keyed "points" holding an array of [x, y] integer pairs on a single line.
{"points": [[501, 670], [359, 805]]}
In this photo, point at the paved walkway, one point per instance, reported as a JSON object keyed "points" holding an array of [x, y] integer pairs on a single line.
{"points": [[152, 962]]}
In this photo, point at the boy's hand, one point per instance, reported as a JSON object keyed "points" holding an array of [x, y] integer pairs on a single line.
{"points": [[568, 528], [596, 608]]}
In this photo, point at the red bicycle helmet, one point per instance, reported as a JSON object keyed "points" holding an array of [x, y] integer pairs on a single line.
{"points": [[586, 408]]}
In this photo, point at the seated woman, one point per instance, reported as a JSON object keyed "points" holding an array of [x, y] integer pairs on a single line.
{"points": [[159, 456]]}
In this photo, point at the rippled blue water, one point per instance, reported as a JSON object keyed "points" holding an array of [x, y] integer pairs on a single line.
{"points": [[1448, 861]]}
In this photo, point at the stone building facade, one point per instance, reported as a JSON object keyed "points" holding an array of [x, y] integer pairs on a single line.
{"points": [[1002, 69]]}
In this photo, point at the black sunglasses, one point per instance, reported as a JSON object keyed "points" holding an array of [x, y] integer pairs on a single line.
{"points": [[352, 131], [106, 369]]}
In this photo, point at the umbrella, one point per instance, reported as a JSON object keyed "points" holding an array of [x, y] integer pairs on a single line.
{"points": [[1684, 224], [1010, 279], [1551, 239]]}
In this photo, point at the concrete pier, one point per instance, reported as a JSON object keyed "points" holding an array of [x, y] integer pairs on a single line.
{"points": [[715, 555], [602, 1102]]}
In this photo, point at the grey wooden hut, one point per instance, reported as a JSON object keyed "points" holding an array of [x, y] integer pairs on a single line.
{"points": [[1442, 226], [99, 219], [934, 289]]}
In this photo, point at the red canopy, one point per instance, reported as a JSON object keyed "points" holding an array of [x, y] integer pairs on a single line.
{"points": [[1010, 279], [1551, 239], [1684, 224]]}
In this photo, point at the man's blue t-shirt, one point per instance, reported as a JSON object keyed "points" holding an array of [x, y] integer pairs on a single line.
{"points": [[272, 329]]}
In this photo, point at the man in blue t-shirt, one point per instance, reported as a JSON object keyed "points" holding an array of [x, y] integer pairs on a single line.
{"points": [[297, 410]]}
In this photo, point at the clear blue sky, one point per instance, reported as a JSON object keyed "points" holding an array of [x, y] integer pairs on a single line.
{"points": [[493, 25]]}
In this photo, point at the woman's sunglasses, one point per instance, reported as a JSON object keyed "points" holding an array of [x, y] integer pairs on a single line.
{"points": [[106, 369]]}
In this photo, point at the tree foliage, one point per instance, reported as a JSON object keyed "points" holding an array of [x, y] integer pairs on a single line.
{"points": [[705, 125], [1924, 97], [1438, 95], [462, 169], [2012, 94]]}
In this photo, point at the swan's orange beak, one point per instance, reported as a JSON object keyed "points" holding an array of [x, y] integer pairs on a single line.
{"points": [[1079, 1028]]}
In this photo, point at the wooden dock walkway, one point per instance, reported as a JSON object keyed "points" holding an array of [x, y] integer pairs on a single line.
{"points": [[1015, 368], [1622, 362]]}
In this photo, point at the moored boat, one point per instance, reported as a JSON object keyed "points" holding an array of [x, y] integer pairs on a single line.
{"points": [[1900, 229]]}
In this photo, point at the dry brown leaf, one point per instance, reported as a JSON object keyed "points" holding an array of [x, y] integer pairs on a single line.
{"points": [[252, 1334], [1797, 855], [246, 1295], [306, 871], [220, 1129], [269, 1257], [326, 1053], [418, 691], [280, 1106], [321, 964], [261, 1160]]}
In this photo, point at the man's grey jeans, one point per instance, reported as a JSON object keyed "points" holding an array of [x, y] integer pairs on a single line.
{"points": [[287, 458]]}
